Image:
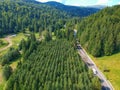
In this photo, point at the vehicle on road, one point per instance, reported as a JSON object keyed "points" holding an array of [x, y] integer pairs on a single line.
{"points": [[79, 47], [94, 71]]}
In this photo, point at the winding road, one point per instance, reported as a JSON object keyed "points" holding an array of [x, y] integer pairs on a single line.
{"points": [[106, 85], [9, 45]]}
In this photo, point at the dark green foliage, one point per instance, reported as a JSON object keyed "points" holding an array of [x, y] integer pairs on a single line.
{"points": [[21, 16], [48, 36], [28, 46], [10, 56], [7, 71], [73, 10], [68, 30], [55, 65], [100, 33]]}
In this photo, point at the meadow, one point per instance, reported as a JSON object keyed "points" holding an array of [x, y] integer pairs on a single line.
{"points": [[112, 64]]}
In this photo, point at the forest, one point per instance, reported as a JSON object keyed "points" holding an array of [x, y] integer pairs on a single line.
{"points": [[18, 16], [73, 10], [53, 65], [100, 32], [29, 15]]}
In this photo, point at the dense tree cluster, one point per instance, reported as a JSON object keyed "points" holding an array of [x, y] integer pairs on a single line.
{"points": [[100, 33], [68, 30], [73, 10], [10, 56], [28, 46], [55, 65], [21, 16], [7, 71]]}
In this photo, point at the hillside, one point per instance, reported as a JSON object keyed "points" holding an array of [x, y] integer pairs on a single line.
{"points": [[53, 65], [74, 10], [100, 33], [18, 16]]}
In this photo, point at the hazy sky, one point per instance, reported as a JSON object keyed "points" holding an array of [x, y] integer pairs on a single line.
{"points": [[86, 2]]}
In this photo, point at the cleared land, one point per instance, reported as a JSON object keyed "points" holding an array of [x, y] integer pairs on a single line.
{"points": [[3, 43], [112, 65]]}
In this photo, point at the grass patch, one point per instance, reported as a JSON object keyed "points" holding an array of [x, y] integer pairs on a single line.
{"points": [[2, 85], [3, 43], [113, 64], [14, 63], [16, 40], [3, 52]]}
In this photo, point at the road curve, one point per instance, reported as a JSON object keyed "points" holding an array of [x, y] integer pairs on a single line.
{"points": [[106, 85], [9, 45]]}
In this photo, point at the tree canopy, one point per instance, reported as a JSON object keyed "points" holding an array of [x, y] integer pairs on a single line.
{"points": [[100, 33], [54, 65], [18, 16]]}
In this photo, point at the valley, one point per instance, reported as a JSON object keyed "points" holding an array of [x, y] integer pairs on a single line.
{"points": [[45, 46]]}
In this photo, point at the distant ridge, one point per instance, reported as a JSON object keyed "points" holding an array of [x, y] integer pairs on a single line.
{"points": [[74, 10], [98, 6]]}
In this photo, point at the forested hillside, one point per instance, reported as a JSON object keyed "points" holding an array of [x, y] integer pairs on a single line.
{"points": [[100, 33], [20, 16], [74, 10], [54, 65]]}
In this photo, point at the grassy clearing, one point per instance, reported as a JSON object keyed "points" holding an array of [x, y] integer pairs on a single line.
{"points": [[3, 43], [17, 39], [14, 63], [2, 85], [3, 52], [111, 63]]}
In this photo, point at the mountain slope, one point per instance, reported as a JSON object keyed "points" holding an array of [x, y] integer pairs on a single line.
{"points": [[100, 33], [21, 16], [73, 10]]}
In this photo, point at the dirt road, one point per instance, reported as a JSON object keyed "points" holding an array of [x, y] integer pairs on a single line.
{"points": [[9, 45]]}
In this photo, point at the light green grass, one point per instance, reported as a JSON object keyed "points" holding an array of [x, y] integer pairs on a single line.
{"points": [[2, 85], [16, 40], [113, 64], [5, 43], [37, 35]]}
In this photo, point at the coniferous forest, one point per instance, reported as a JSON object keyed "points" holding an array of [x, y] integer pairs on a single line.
{"points": [[16, 16], [54, 65], [53, 62], [100, 33]]}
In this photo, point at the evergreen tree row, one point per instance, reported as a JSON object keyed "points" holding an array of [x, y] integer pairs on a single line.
{"points": [[54, 65]]}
